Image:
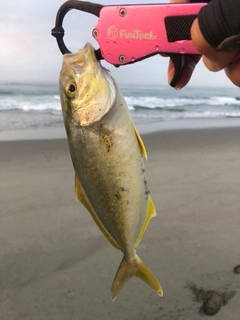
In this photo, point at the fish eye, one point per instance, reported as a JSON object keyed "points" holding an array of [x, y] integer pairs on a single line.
{"points": [[72, 88]]}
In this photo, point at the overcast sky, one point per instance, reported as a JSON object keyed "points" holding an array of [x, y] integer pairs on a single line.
{"points": [[28, 52]]}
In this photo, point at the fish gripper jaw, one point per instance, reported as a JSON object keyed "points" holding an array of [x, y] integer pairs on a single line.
{"points": [[58, 31]]}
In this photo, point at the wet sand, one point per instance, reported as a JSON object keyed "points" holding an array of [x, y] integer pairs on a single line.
{"points": [[56, 265]]}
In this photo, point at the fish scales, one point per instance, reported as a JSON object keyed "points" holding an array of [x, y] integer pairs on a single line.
{"points": [[107, 155], [106, 179]]}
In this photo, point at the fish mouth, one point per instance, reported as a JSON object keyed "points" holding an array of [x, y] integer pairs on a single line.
{"points": [[82, 60]]}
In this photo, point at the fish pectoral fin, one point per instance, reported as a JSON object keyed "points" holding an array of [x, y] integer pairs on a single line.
{"points": [[135, 268], [81, 196], [140, 142], [151, 212]]}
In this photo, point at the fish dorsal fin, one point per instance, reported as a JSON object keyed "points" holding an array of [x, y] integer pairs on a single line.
{"points": [[81, 196], [140, 142], [151, 212]]}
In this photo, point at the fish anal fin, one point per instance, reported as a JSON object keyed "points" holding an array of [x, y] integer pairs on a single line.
{"points": [[81, 196], [151, 212], [140, 142], [135, 268]]}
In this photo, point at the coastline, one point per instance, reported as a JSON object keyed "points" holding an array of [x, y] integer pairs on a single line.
{"points": [[58, 132]]}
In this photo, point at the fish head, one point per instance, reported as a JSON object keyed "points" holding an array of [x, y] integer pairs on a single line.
{"points": [[87, 90]]}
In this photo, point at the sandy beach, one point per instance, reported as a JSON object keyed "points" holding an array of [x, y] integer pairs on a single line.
{"points": [[56, 265]]}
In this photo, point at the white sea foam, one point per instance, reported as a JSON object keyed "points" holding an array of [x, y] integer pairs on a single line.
{"points": [[52, 102], [157, 102], [24, 106], [26, 103], [223, 101]]}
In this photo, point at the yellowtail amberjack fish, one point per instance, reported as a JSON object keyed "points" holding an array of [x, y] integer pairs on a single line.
{"points": [[107, 154]]}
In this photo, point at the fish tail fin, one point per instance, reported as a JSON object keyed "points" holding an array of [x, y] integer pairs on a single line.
{"points": [[135, 268]]}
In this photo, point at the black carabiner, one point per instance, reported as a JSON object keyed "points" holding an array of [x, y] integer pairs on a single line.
{"points": [[58, 31]]}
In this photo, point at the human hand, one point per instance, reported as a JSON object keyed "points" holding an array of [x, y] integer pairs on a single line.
{"points": [[213, 60], [216, 60]]}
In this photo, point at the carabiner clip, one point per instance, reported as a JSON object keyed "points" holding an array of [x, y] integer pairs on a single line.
{"points": [[58, 31]]}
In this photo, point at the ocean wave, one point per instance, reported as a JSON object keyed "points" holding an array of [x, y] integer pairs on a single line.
{"points": [[27, 89], [170, 109], [161, 103], [44, 103], [6, 92], [56, 112], [224, 101], [187, 115], [211, 115], [34, 104], [28, 105]]}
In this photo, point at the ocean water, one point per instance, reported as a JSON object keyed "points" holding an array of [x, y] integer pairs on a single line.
{"points": [[30, 105]]}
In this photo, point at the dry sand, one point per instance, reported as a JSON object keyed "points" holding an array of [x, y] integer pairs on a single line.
{"points": [[56, 265]]}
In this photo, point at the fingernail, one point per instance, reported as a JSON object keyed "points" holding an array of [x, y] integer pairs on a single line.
{"points": [[171, 71]]}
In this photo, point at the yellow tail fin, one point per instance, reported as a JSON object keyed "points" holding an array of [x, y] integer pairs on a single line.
{"points": [[135, 268]]}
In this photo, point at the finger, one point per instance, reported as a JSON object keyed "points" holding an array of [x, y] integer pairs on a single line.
{"points": [[190, 64], [164, 55], [233, 72], [213, 60]]}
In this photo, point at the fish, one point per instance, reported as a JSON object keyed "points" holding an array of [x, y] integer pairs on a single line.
{"points": [[108, 154]]}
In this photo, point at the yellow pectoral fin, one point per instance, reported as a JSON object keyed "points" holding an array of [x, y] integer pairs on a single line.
{"points": [[81, 196], [140, 142], [151, 212]]}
